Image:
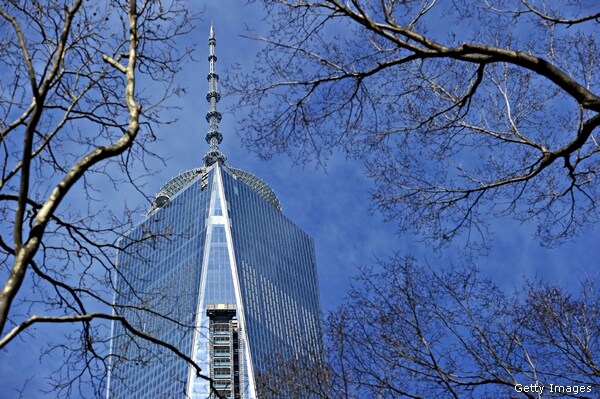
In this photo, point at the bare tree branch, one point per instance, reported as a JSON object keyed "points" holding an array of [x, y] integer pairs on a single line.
{"points": [[407, 331], [72, 126], [461, 113]]}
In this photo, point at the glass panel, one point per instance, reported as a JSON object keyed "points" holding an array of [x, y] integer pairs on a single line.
{"points": [[160, 270], [278, 279]]}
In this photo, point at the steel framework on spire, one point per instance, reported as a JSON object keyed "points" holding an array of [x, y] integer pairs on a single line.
{"points": [[213, 117]]}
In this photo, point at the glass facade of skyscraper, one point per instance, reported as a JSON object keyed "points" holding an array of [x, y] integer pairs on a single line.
{"points": [[217, 271], [277, 274]]}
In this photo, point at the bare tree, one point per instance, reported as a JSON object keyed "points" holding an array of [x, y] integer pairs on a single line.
{"points": [[292, 378], [411, 332], [462, 111], [73, 122], [407, 331]]}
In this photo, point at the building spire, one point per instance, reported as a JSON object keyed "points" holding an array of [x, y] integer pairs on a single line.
{"points": [[213, 117]]}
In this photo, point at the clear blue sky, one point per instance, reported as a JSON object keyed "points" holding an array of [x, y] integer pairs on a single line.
{"points": [[332, 205]]}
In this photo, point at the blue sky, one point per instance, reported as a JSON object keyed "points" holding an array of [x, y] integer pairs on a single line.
{"points": [[331, 204]]}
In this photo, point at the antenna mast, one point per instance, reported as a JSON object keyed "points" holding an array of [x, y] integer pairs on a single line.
{"points": [[213, 117]]}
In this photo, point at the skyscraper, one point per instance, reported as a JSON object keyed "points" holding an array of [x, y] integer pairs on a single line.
{"points": [[216, 270]]}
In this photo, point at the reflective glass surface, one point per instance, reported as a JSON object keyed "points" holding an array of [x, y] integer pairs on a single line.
{"points": [[157, 286], [179, 261], [277, 276]]}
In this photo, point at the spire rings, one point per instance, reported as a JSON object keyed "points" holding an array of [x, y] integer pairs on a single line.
{"points": [[213, 94]]}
